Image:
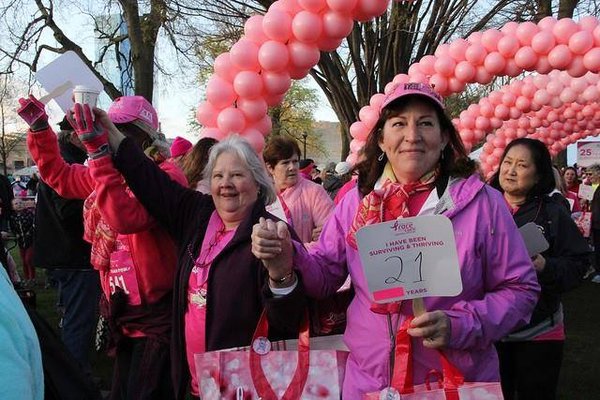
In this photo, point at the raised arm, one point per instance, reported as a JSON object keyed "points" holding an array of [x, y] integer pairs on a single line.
{"points": [[70, 181]]}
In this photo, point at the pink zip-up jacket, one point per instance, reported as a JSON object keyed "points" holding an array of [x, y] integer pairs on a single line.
{"points": [[152, 250], [310, 207], [500, 288]]}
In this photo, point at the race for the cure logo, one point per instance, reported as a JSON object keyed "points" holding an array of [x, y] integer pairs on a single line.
{"points": [[403, 227]]}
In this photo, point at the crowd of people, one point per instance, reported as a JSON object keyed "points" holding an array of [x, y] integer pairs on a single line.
{"points": [[179, 249]]}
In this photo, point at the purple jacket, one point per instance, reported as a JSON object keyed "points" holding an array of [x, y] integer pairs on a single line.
{"points": [[500, 288]]}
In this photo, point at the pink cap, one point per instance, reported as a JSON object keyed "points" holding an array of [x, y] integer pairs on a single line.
{"points": [[409, 89], [180, 146], [133, 108]]}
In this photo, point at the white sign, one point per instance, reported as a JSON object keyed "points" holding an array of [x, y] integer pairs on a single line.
{"points": [[588, 153], [410, 258], [67, 70], [586, 192]]}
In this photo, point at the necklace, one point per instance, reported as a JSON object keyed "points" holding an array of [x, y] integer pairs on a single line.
{"points": [[204, 258]]}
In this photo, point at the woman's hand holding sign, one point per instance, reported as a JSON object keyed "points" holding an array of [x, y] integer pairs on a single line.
{"points": [[433, 327]]}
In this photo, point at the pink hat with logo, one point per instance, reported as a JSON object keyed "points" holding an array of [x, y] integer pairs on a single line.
{"points": [[180, 146], [133, 109], [413, 89]]}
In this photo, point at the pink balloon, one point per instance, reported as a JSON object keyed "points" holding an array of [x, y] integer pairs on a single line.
{"points": [[591, 94], [511, 68], [508, 46], [276, 82], [577, 68], [219, 92], [476, 54], [359, 131], [535, 122], [248, 84], [206, 114], [547, 23], [264, 126], [342, 6], [277, 25], [253, 109], [368, 116], [523, 103], [494, 63], [526, 31], [596, 35], [579, 85], [253, 29], [445, 66], [302, 55], [541, 97], [439, 82], [482, 123], [337, 25], [467, 135], [467, 121], [224, 68], [274, 99], [400, 79], [508, 99], [273, 56], [543, 65], [526, 58], [554, 88], [442, 50], [483, 76], [418, 78], [495, 122], [580, 42], [454, 86], [231, 120], [212, 133], [465, 71], [502, 112], [289, 6], [509, 28], [457, 49], [427, 64], [255, 138], [490, 39], [328, 44], [377, 100], [560, 57], [244, 55], [475, 37], [369, 9], [307, 26], [564, 29], [486, 109], [543, 42], [352, 159], [312, 5]]}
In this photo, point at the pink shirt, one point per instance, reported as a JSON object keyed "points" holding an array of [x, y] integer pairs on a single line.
{"points": [[215, 239]]}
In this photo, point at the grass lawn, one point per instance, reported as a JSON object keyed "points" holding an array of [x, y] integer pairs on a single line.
{"points": [[578, 379]]}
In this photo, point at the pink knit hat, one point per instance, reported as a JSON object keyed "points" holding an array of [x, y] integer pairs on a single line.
{"points": [[180, 146], [133, 108]]}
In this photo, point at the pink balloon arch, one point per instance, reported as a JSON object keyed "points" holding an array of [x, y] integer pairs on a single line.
{"points": [[561, 45], [282, 45]]}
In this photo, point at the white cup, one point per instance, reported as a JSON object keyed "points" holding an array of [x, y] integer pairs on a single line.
{"points": [[86, 95]]}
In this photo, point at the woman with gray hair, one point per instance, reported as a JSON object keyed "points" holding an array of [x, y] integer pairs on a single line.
{"points": [[220, 287]]}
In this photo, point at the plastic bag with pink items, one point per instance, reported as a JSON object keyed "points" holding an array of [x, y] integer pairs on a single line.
{"points": [[449, 384], [302, 374], [583, 220]]}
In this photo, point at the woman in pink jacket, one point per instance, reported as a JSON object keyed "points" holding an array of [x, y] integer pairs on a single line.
{"points": [[135, 257], [308, 203], [415, 164]]}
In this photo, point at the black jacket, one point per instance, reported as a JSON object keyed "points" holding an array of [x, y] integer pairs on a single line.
{"points": [[238, 289], [58, 241], [567, 258]]}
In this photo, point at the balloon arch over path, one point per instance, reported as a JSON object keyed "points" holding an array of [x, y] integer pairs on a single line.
{"points": [[557, 105]]}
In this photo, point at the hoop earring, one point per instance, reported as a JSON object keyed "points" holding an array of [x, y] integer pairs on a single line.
{"points": [[380, 158]]}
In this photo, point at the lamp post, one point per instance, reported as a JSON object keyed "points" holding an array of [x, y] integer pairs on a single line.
{"points": [[304, 136]]}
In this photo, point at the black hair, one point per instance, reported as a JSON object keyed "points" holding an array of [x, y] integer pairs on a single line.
{"points": [[543, 167]]}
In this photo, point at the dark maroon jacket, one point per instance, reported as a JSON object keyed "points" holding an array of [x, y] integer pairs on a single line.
{"points": [[238, 289]]}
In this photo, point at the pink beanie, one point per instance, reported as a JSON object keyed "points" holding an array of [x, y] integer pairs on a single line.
{"points": [[180, 147]]}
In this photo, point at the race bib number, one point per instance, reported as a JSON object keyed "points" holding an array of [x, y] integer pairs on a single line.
{"points": [[122, 275]]}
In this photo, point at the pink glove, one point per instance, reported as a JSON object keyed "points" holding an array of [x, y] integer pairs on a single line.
{"points": [[33, 113], [93, 136]]}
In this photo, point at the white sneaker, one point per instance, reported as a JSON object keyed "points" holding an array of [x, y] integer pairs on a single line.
{"points": [[596, 279]]}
